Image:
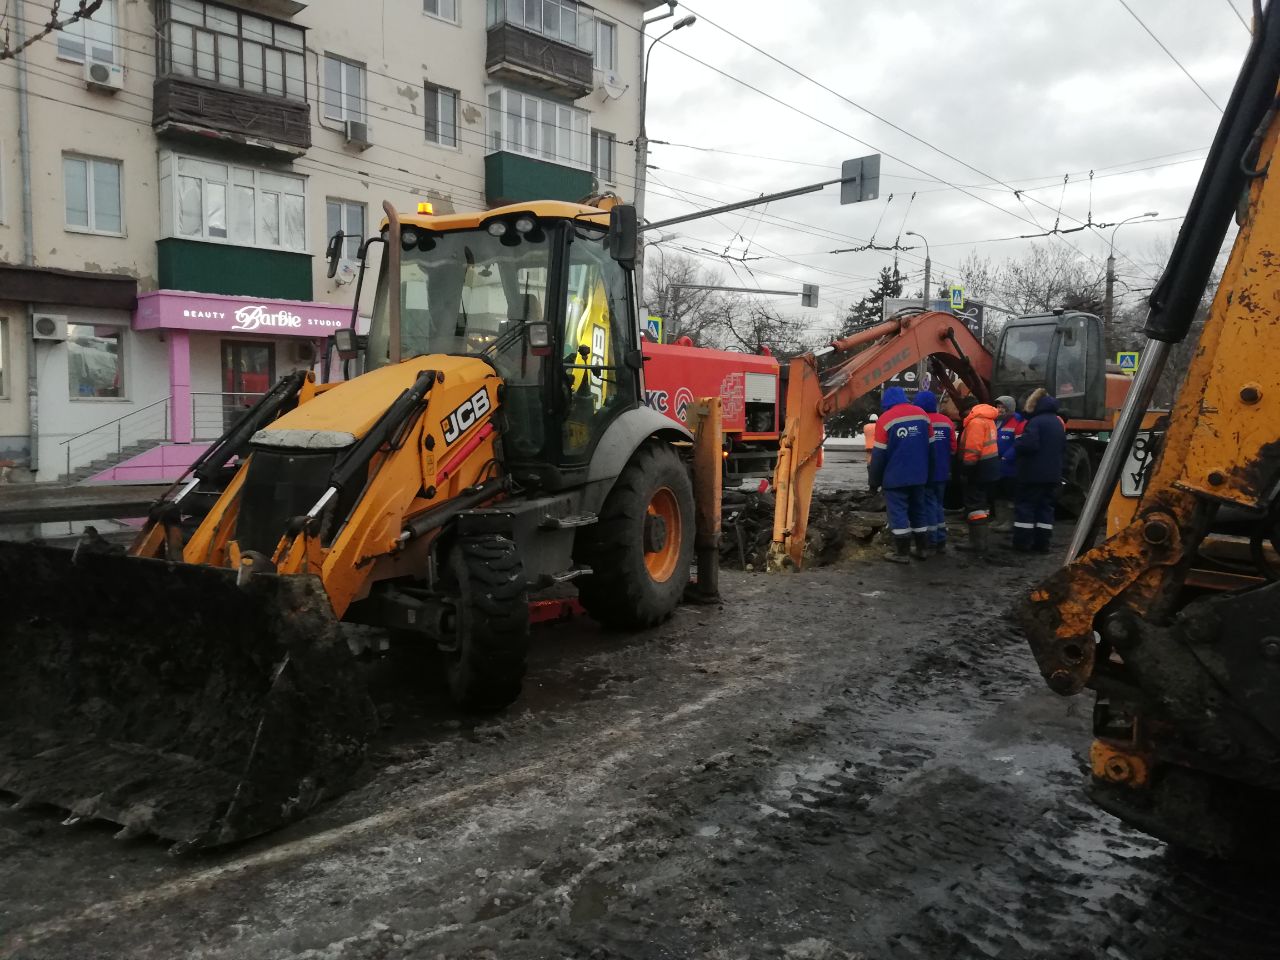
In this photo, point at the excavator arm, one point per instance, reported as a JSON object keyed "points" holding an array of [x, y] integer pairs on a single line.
{"points": [[864, 361], [1187, 723]]}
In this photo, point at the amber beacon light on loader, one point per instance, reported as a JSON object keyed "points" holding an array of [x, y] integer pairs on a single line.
{"points": [[495, 442]]}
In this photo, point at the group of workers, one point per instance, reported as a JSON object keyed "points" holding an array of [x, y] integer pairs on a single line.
{"points": [[1003, 453]]}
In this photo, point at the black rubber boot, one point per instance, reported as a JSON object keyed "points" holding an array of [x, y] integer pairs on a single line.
{"points": [[940, 548], [901, 552], [920, 546], [980, 534]]}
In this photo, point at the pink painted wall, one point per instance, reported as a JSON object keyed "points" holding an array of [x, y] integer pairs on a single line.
{"points": [[165, 462]]}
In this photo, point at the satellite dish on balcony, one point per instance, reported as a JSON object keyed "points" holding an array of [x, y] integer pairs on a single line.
{"points": [[346, 272], [611, 85]]}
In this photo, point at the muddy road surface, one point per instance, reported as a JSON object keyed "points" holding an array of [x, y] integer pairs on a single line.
{"points": [[856, 761]]}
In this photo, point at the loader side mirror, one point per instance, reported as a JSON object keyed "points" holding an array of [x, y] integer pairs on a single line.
{"points": [[624, 234], [333, 252], [346, 343]]}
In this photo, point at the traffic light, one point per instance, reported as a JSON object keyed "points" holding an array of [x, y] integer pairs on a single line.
{"points": [[809, 295]]}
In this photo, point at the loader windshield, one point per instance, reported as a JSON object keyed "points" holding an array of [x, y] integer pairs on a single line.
{"points": [[460, 291]]}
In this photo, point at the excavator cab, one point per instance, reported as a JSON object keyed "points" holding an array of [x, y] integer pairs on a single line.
{"points": [[1063, 352]]}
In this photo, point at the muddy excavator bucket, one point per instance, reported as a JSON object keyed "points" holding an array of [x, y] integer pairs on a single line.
{"points": [[167, 699]]}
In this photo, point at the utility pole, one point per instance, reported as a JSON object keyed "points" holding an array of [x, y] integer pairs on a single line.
{"points": [[1108, 304]]}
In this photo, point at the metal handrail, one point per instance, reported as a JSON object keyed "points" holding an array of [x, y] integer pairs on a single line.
{"points": [[112, 423], [101, 433]]}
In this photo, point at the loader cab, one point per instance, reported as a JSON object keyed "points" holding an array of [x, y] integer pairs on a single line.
{"points": [[545, 297], [1061, 351]]}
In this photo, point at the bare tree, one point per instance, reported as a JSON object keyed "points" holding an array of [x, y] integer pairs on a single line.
{"points": [[752, 324], [84, 9], [686, 312]]}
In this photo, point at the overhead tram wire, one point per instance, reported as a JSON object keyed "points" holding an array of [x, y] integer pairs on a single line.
{"points": [[1168, 53]]}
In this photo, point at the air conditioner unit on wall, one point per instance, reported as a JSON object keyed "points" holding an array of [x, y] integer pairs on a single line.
{"points": [[358, 134], [100, 75], [48, 326]]}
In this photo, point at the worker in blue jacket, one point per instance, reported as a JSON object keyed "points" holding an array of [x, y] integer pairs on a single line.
{"points": [[900, 464], [1041, 450], [1009, 426], [942, 448]]}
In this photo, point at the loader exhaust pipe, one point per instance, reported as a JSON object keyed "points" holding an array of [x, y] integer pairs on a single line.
{"points": [[393, 282]]}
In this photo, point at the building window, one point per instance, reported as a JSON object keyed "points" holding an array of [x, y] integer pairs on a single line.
{"points": [[95, 34], [444, 9], [91, 188], [440, 107], [235, 49], [602, 150], [347, 216], [343, 89], [95, 360], [563, 20], [222, 203], [520, 123], [606, 46], [4, 357]]}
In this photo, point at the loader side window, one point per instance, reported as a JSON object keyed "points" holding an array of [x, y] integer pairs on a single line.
{"points": [[597, 334]]}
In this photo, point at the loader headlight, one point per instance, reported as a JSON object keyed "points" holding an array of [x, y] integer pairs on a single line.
{"points": [[525, 224], [498, 228], [408, 239]]}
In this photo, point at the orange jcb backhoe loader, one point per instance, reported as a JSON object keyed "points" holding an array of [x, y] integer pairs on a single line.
{"points": [[497, 442], [1187, 678], [1062, 351]]}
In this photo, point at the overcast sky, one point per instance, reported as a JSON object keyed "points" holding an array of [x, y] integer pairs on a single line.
{"points": [[1025, 91]]}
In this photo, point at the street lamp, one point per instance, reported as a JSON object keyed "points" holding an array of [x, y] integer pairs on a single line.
{"points": [[1108, 308], [928, 265], [642, 140]]}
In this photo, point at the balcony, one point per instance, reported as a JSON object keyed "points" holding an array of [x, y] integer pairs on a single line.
{"points": [[233, 271], [512, 178], [520, 56], [185, 108]]}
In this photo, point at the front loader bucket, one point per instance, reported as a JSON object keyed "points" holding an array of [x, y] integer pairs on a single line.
{"points": [[167, 699]]}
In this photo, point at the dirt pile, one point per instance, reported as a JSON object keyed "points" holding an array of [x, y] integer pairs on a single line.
{"points": [[842, 523]]}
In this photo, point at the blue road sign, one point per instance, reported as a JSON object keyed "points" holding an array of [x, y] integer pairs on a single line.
{"points": [[653, 329]]}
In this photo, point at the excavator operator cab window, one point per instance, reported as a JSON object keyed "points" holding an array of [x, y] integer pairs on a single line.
{"points": [[1024, 356], [1077, 373]]}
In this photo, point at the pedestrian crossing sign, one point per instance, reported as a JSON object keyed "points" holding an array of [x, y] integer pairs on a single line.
{"points": [[957, 299], [1128, 361], [653, 329]]}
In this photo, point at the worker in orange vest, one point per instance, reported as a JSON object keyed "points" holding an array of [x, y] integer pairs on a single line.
{"points": [[980, 456], [869, 434]]}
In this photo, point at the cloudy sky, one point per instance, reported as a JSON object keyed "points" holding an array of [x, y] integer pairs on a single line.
{"points": [[1021, 91]]}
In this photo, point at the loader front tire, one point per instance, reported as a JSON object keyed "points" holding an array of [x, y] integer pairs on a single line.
{"points": [[486, 654], [641, 549]]}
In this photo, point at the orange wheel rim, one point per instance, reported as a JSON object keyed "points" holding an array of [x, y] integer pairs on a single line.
{"points": [[661, 563]]}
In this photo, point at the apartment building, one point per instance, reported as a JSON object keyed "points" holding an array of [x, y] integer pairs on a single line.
{"points": [[164, 218]]}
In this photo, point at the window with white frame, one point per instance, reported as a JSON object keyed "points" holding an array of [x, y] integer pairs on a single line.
{"points": [[440, 109], [224, 203], [237, 49], [606, 45], [343, 89], [443, 9], [4, 357], [91, 193], [603, 147], [95, 361], [92, 37], [537, 127], [564, 20], [346, 216]]}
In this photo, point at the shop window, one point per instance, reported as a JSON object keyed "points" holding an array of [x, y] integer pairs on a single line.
{"points": [[346, 216], [95, 360], [223, 203], [91, 190], [93, 36]]}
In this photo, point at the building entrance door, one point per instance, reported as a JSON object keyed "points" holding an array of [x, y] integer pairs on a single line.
{"points": [[248, 372]]}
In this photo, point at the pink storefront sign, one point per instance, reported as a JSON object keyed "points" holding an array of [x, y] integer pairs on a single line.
{"points": [[213, 313]]}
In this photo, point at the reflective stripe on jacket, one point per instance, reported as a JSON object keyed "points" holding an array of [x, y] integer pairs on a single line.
{"points": [[900, 457]]}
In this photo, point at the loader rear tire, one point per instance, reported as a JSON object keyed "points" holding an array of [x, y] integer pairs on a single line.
{"points": [[486, 661], [641, 549]]}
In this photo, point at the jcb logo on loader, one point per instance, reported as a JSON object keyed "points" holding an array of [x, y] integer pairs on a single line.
{"points": [[463, 418]]}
